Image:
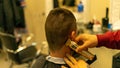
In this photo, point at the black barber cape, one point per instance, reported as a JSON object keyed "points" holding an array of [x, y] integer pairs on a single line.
{"points": [[49, 62]]}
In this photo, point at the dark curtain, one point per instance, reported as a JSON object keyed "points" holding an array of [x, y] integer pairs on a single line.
{"points": [[1, 15], [19, 15], [11, 16], [55, 3], [69, 3]]}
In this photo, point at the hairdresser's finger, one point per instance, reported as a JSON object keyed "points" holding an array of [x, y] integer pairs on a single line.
{"points": [[82, 47], [83, 64], [63, 66], [71, 59], [86, 49], [79, 37], [69, 62]]}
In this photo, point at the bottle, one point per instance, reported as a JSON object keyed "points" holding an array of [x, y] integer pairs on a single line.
{"points": [[105, 21], [96, 26], [80, 7]]}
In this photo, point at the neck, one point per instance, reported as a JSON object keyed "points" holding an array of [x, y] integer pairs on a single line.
{"points": [[60, 53]]}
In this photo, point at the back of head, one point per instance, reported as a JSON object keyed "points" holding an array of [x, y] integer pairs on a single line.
{"points": [[58, 26]]}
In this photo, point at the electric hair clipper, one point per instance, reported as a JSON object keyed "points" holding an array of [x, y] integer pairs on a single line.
{"points": [[84, 55]]}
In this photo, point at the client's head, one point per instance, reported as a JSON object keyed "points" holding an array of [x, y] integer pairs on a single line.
{"points": [[60, 26]]}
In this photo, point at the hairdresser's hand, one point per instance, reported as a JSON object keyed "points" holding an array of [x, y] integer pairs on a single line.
{"points": [[73, 63], [88, 40]]}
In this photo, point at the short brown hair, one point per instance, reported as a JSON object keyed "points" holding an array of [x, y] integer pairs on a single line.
{"points": [[58, 26]]}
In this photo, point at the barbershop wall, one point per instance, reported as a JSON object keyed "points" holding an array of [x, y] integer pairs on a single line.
{"points": [[98, 8], [35, 18], [95, 8]]}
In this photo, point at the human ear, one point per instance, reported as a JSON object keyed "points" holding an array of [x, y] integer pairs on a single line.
{"points": [[73, 35]]}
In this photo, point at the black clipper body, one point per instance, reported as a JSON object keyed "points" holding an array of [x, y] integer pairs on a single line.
{"points": [[84, 55]]}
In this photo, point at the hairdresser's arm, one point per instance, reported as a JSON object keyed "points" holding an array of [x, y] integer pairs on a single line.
{"points": [[109, 40]]}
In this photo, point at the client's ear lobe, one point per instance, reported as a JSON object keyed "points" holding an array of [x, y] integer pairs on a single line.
{"points": [[73, 35]]}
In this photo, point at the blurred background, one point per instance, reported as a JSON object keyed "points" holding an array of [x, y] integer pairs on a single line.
{"points": [[24, 20]]}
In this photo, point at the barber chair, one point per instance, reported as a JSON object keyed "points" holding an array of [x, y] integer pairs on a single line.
{"points": [[16, 53], [116, 60]]}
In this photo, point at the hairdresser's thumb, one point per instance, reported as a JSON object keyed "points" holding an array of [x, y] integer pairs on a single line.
{"points": [[81, 47]]}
